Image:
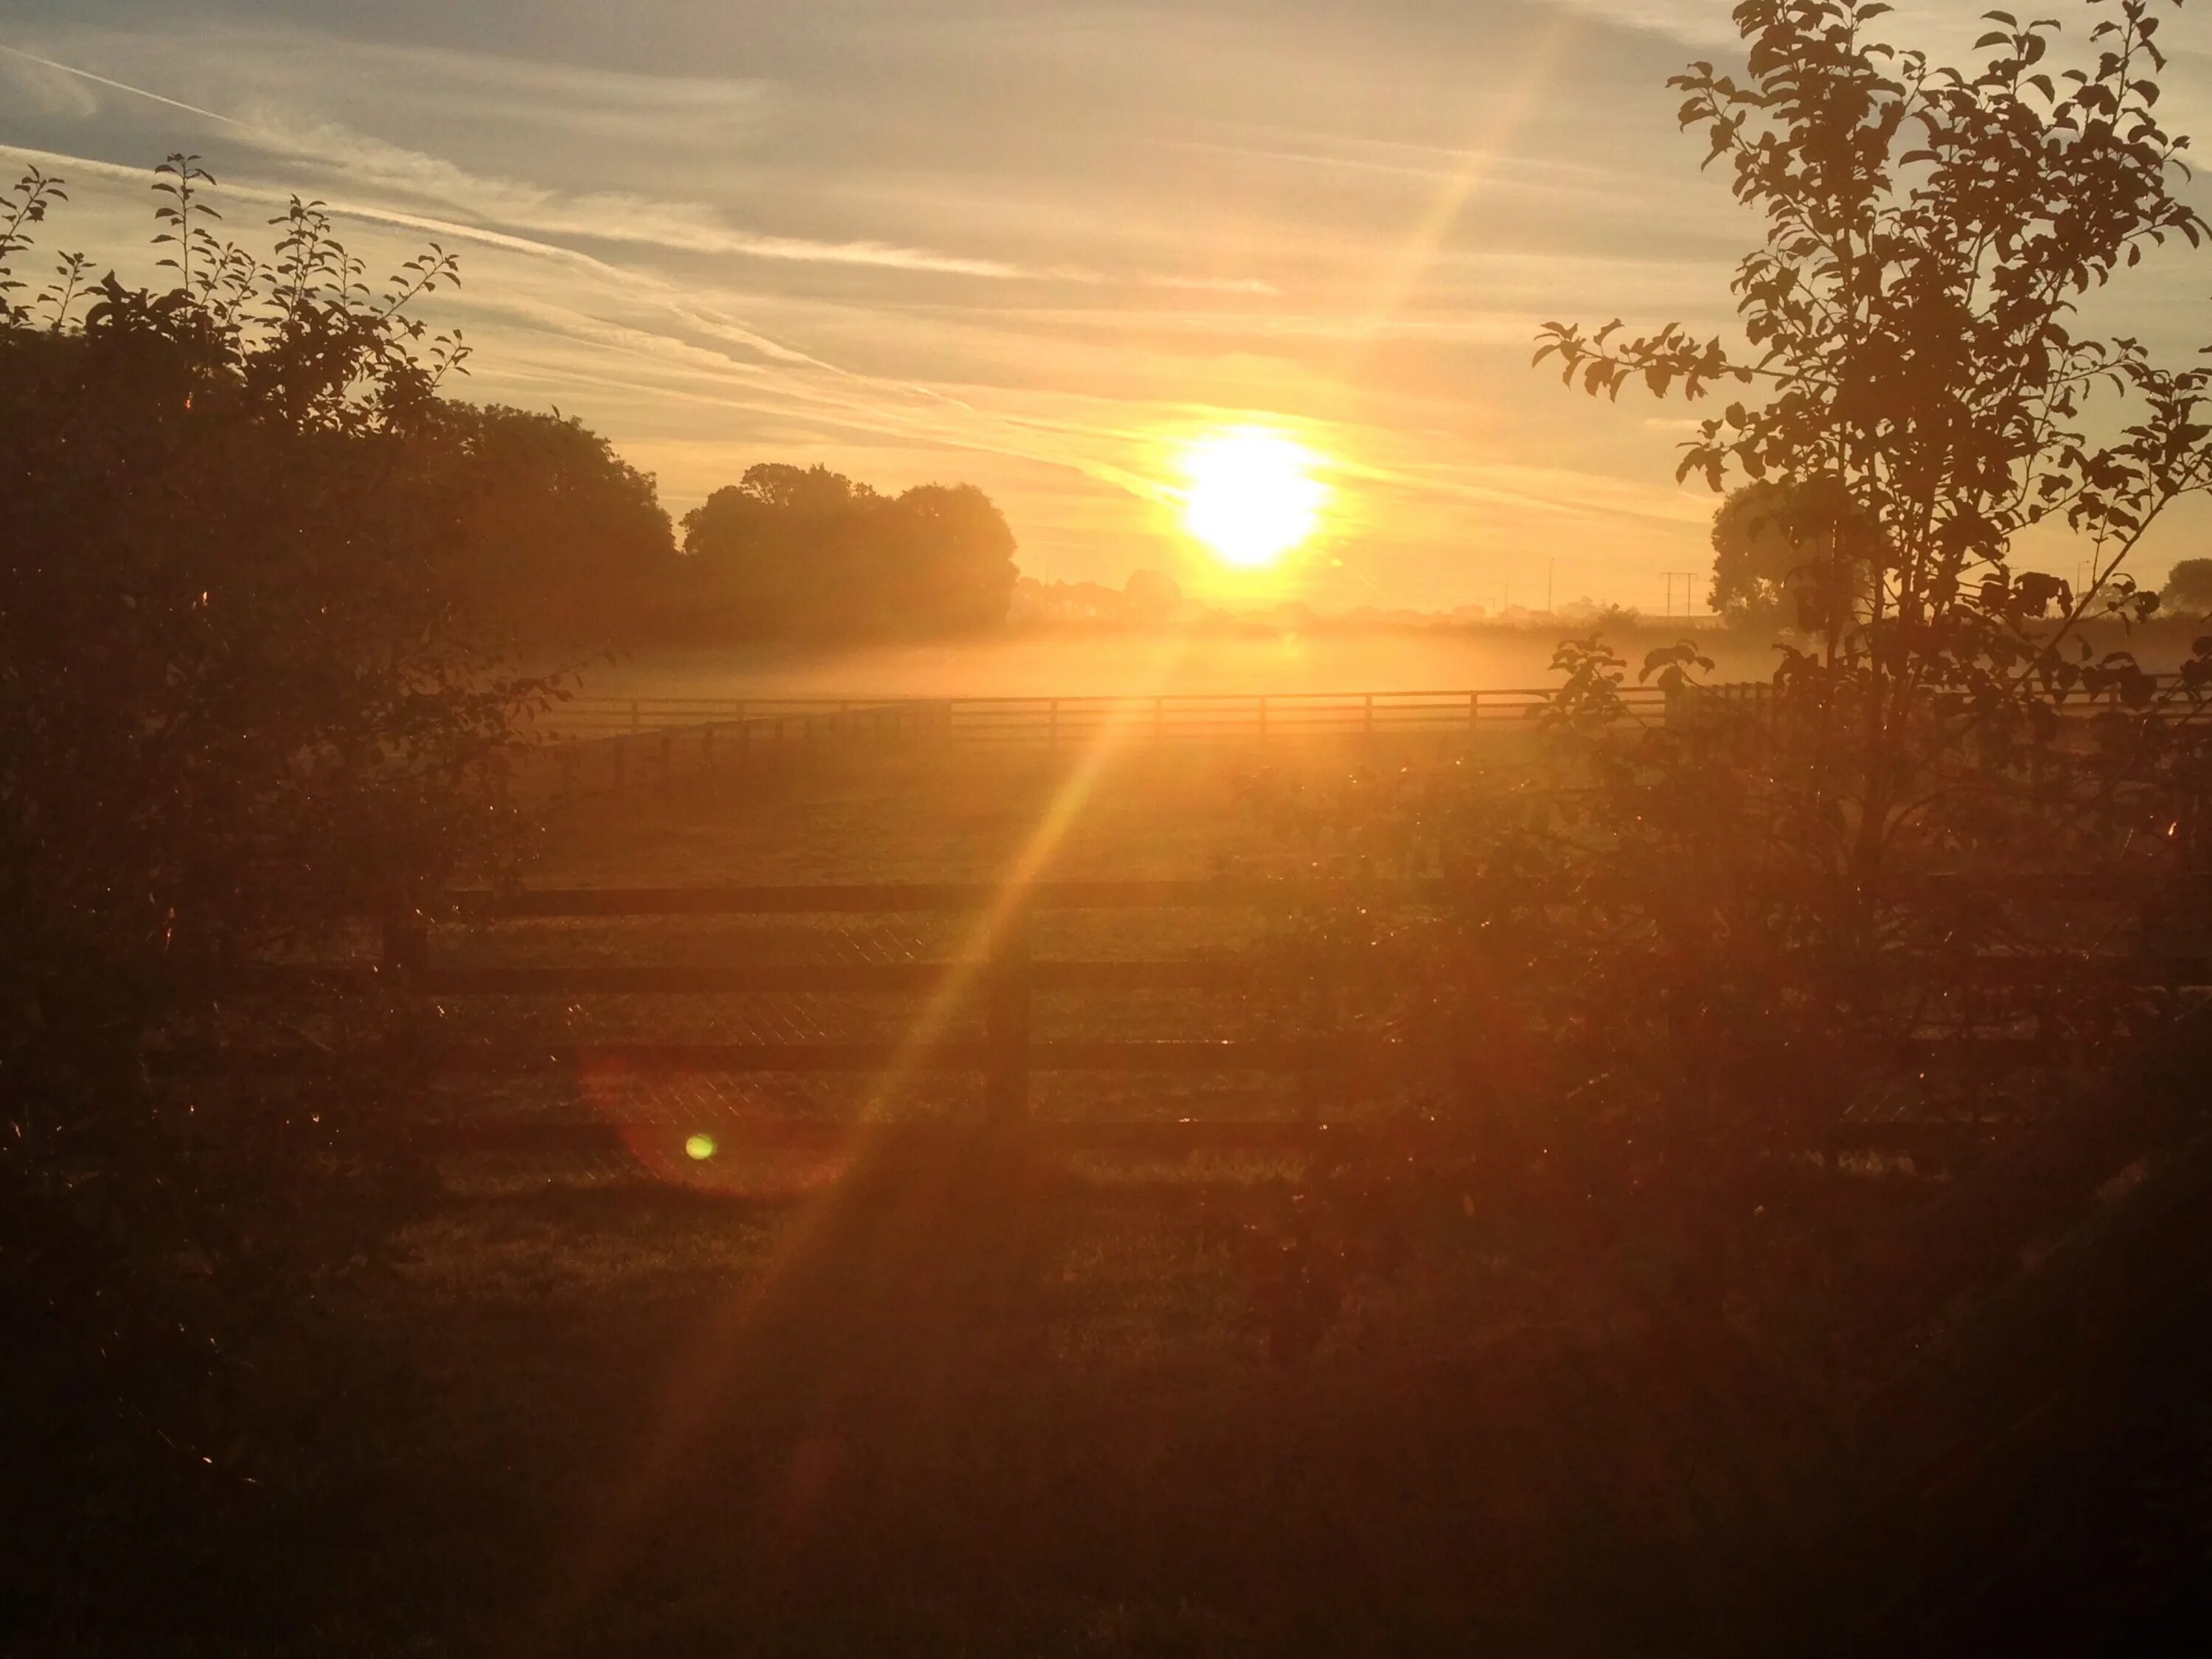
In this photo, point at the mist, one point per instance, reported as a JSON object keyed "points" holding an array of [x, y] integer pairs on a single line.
{"points": [[1104, 665]]}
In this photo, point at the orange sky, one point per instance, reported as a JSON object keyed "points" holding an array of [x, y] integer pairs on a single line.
{"points": [[1033, 245]]}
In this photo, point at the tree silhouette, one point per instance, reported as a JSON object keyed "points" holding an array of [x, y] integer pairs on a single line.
{"points": [[1756, 557], [1909, 338], [808, 553], [2188, 586], [567, 545]]}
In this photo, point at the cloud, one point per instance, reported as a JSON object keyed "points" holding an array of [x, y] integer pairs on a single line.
{"points": [[46, 89], [1693, 22], [680, 227], [994, 240]]}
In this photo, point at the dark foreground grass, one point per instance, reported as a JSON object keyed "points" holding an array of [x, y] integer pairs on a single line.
{"points": [[965, 1401], [972, 1403]]}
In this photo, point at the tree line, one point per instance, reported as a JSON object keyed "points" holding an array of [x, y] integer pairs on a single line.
{"points": [[1775, 563], [570, 546]]}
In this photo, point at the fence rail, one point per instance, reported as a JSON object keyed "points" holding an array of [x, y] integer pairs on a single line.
{"points": [[1182, 717], [595, 746], [1001, 981], [611, 745]]}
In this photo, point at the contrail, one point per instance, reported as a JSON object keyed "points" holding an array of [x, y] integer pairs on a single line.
{"points": [[125, 85]]}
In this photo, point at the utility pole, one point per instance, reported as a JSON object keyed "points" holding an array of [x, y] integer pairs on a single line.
{"points": [[1686, 577]]}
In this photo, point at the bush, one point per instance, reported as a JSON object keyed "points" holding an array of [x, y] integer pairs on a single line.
{"points": [[1673, 959], [237, 708]]}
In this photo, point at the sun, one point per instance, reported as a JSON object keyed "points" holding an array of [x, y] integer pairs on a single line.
{"points": [[1253, 495]]}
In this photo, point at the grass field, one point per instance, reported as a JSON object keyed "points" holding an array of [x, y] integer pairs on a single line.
{"points": [[980, 1406], [960, 1399], [895, 814], [1333, 659]]}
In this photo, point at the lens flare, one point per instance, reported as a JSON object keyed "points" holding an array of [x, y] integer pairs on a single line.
{"points": [[1253, 496], [700, 1148]]}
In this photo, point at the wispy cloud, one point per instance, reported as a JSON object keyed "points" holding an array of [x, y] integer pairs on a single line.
{"points": [[1021, 244], [369, 165]]}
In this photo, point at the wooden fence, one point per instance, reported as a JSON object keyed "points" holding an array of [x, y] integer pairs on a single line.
{"points": [[602, 745], [1049, 721], [598, 745], [1003, 979]]}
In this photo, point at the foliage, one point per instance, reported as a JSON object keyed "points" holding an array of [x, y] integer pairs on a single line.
{"points": [[1802, 894], [1769, 556], [1926, 400], [234, 701], [2188, 586], [808, 552], [567, 543], [238, 705], [1673, 957]]}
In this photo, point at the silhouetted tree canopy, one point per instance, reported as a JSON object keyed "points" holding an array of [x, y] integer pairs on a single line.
{"points": [[1774, 558], [808, 553], [2188, 586], [567, 543], [1753, 556], [239, 707], [1911, 367]]}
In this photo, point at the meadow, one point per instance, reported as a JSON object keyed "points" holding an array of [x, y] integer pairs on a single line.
{"points": [[962, 1396], [1075, 662]]}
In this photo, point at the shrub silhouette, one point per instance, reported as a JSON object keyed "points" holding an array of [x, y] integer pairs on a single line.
{"points": [[240, 702]]}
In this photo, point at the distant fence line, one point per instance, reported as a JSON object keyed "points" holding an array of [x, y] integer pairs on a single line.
{"points": [[1179, 717], [599, 743]]}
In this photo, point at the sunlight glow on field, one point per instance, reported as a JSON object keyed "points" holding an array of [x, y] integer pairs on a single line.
{"points": [[1253, 496]]}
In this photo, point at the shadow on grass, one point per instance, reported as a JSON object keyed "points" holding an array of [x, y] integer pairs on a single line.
{"points": [[877, 1445]]}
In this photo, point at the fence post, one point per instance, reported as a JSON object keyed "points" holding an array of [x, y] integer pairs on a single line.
{"points": [[1007, 1023], [1263, 717], [1367, 719], [636, 718], [622, 764], [1052, 728], [1473, 710], [667, 758]]}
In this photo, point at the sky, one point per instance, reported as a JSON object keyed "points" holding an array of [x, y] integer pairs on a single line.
{"points": [[1038, 245]]}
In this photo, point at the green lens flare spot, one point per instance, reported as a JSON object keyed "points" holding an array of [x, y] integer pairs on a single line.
{"points": [[699, 1148]]}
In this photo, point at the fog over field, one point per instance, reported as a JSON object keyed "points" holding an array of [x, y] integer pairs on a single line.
{"points": [[1074, 665], [1046, 664]]}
